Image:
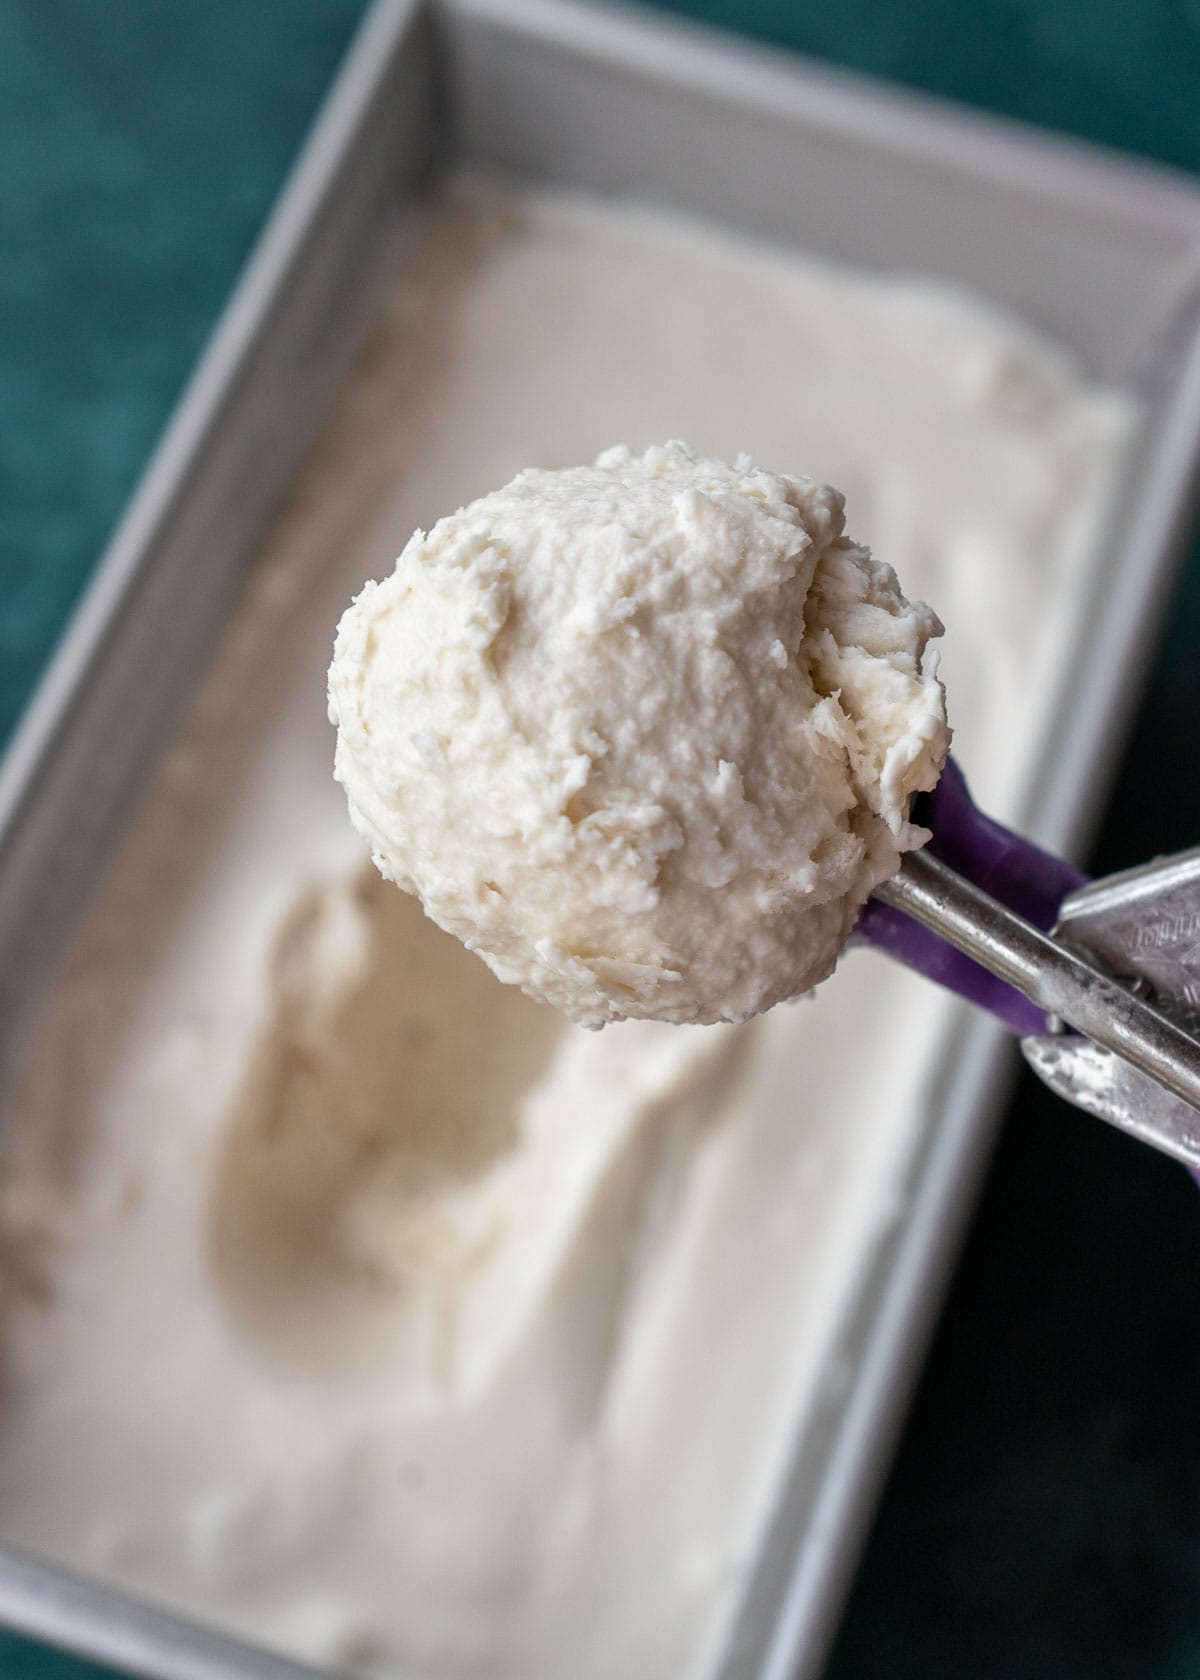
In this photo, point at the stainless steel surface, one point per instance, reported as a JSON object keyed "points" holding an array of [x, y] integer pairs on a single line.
{"points": [[1145, 923], [1102, 253], [1063, 982], [1112, 1089]]}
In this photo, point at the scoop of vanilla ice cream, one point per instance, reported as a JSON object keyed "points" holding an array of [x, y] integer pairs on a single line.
{"points": [[641, 734]]}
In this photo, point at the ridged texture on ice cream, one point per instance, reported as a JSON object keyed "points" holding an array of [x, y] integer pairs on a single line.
{"points": [[641, 734]]}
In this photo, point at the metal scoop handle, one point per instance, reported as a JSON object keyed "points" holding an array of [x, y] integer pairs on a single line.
{"points": [[1056, 979], [1139, 1069]]}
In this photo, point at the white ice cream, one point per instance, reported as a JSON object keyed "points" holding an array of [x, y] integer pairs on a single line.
{"points": [[357, 1303], [641, 734]]}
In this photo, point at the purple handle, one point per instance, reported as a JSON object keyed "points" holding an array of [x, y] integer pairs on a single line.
{"points": [[1017, 873]]}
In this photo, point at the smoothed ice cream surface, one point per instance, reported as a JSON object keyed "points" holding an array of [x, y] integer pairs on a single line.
{"points": [[642, 734]]}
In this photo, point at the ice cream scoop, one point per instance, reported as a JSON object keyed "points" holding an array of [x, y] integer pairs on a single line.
{"points": [[648, 735]]}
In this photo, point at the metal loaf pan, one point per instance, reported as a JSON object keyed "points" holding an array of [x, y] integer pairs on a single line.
{"points": [[1100, 253]]}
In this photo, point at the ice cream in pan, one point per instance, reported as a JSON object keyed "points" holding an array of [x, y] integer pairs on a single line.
{"points": [[646, 736]]}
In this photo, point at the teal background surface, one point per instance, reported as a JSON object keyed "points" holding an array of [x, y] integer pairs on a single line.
{"points": [[1043, 1517]]}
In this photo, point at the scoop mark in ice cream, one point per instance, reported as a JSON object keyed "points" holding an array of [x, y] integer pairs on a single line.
{"points": [[643, 734]]}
